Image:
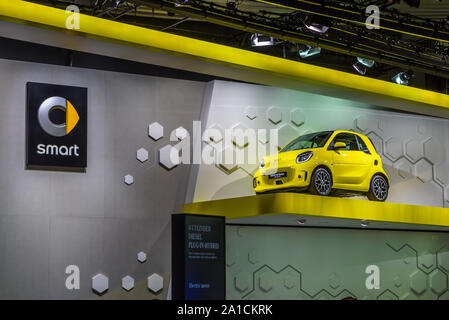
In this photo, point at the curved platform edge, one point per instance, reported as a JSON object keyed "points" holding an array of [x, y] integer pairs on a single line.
{"points": [[317, 208]]}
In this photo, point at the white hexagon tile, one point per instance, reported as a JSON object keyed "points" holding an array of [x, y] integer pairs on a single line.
{"points": [[169, 157], [155, 131], [141, 257], [128, 283], [100, 283], [155, 283], [129, 179], [142, 155]]}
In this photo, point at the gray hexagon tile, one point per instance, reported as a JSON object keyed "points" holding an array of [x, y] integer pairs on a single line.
{"points": [[297, 117], [418, 282], [155, 131], [404, 168], [129, 179], [213, 133], [226, 160], [181, 133], [142, 155], [444, 296], [421, 129], [155, 283], [286, 133], [266, 281], [413, 150], [363, 123], [251, 112], [239, 137], [241, 281], [253, 256], [231, 256], [427, 260], [289, 281], [423, 170], [387, 295], [169, 157], [380, 125], [128, 283], [377, 141], [438, 282], [141, 257], [274, 115], [263, 136], [397, 281], [441, 174], [393, 148], [100, 283], [443, 260], [334, 281], [433, 150], [323, 295]]}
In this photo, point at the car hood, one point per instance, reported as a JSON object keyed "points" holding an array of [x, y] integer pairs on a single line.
{"points": [[283, 158]]}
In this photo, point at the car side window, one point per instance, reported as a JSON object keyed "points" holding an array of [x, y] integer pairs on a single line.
{"points": [[349, 139], [362, 145]]}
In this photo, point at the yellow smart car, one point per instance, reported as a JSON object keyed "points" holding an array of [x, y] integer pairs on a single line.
{"points": [[323, 161]]}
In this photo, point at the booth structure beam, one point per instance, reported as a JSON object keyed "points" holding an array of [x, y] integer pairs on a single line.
{"points": [[94, 27]]}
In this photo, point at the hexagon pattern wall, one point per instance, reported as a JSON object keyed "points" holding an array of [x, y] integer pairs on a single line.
{"points": [[413, 265], [154, 283], [414, 149]]}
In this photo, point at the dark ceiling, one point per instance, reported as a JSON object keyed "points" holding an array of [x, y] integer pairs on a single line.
{"points": [[409, 38]]}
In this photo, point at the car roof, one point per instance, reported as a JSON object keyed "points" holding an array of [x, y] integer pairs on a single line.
{"points": [[348, 131]]}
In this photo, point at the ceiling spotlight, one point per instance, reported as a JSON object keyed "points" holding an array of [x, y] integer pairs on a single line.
{"points": [[260, 40], [301, 221], [361, 65], [403, 77], [231, 5], [308, 51], [413, 3], [181, 2], [317, 23]]}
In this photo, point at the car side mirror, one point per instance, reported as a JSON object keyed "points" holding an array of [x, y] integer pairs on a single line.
{"points": [[339, 145]]}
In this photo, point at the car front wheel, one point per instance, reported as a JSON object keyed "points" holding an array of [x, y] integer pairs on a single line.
{"points": [[321, 182], [378, 189]]}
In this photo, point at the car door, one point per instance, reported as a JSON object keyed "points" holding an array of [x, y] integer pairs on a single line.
{"points": [[350, 165]]}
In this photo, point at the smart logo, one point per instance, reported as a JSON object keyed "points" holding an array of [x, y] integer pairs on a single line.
{"points": [[57, 130], [56, 126]]}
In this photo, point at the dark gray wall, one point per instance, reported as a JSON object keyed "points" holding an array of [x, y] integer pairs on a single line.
{"points": [[49, 220]]}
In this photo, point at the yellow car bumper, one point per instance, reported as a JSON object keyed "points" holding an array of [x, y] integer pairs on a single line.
{"points": [[291, 177]]}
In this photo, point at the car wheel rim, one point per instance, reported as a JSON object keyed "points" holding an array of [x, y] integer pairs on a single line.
{"points": [[380, 188], [322, 182]]}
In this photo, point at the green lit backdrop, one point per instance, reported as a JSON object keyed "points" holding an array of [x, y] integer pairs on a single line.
{"points": [[321, 263]]}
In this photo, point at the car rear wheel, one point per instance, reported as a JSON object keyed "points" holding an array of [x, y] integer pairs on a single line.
{"points": [[321, 182], [378, 189]]}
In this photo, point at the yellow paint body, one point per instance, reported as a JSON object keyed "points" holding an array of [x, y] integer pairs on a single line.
{"points": [[350, 169]]}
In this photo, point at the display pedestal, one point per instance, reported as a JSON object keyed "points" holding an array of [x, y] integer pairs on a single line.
{"points": [[198, 257], [300, 209]]}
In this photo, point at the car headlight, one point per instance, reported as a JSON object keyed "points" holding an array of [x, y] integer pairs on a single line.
{"points": [[262, 164], [303, 157]]}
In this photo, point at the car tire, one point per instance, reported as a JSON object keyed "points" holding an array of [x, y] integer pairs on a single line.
{"points": [[378, 190], [321, 182]]}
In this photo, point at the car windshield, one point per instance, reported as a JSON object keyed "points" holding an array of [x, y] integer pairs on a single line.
{"points": [[311, 140]]}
